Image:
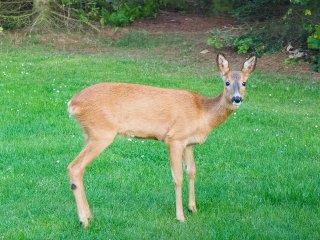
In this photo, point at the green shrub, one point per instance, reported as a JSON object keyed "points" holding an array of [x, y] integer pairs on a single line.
{"points": [[244, 44], [253, 10], [314, 39], [123, 13], [116, 13], [256, 39], [224, 37], [213, 41], [284, 22], [314, 44]]}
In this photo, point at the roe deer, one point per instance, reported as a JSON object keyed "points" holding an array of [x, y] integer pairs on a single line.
{"points": [[179, 118]]}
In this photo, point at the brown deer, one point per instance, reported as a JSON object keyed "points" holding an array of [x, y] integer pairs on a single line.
{"points": [[177, 117]]}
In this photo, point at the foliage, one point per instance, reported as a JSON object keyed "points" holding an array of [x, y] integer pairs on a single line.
{"points": [[215, 42], [291, 61], [224, 37], [235, 38], [277, 30], [65, 13], [248, 11], [314, 44], [268, 37], [279, 23], [15, 14], [272, 32], [203, 7], [117, 13], [244, 44], [122, 13], [60, 13], [220, 7], [314, 39]]}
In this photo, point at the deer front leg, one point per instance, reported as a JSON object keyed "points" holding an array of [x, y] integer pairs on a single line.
{"points": [[175, 151], [191, 171]]}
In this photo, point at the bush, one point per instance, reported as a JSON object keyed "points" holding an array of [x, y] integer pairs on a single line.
{"points": [[314, 44], [116, 13], [204, 7], [289, 24], [15, 14], [20, 14], [259, 10]]}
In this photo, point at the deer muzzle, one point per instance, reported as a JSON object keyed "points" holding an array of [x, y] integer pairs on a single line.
{"points": [[236, 100]]}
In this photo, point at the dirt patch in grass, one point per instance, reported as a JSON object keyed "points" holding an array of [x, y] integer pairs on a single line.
{"points": [[177, 22]]}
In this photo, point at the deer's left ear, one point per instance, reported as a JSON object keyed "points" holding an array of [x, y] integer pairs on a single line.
{"points": [[249, 65]]}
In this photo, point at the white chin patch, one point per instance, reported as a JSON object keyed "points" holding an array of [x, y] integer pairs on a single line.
{"points": [[236, 104]]}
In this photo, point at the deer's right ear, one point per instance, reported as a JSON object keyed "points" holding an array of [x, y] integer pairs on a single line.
{"points": [[223, 64]]}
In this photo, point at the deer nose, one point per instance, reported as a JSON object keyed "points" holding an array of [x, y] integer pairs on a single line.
{"points": [[236, 99]]}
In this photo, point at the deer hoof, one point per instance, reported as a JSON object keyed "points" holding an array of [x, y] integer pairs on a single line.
{"points": [[181, 219], [192, 209], [84, 224]]}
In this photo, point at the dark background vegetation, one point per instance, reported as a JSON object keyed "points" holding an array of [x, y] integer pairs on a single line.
{"points": [[268, 25]]}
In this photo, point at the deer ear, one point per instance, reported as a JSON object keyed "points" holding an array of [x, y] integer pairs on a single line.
{"points": [[223, 64], [249, 65]]}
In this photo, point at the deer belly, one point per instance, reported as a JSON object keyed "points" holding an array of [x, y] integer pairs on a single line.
{"points": [[142, 129]]}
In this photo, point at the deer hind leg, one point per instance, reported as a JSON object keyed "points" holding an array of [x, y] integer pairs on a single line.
{"points": [[191, 171], [175, 151], [94, 146]]}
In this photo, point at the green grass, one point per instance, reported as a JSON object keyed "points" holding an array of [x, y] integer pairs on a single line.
{"points": [[143, 39], [257, 174]]}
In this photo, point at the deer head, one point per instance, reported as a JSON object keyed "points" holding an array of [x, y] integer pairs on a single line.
{"points": [[235, 81]]}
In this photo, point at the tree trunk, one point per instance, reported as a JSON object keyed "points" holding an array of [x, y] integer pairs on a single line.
{"points": [[39, 5], [41, 10]]}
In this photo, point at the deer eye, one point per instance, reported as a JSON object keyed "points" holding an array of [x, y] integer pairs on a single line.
{"points": [[227, 84], [244, 84]]}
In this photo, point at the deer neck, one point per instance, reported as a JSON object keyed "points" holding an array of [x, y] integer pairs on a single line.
{"points": [[218, 110]]}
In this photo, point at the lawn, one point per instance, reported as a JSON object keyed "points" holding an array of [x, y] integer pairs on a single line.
{"points": [[258, 175]]}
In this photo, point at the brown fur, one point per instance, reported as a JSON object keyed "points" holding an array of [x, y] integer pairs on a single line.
{"points": [[177, 117]]}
